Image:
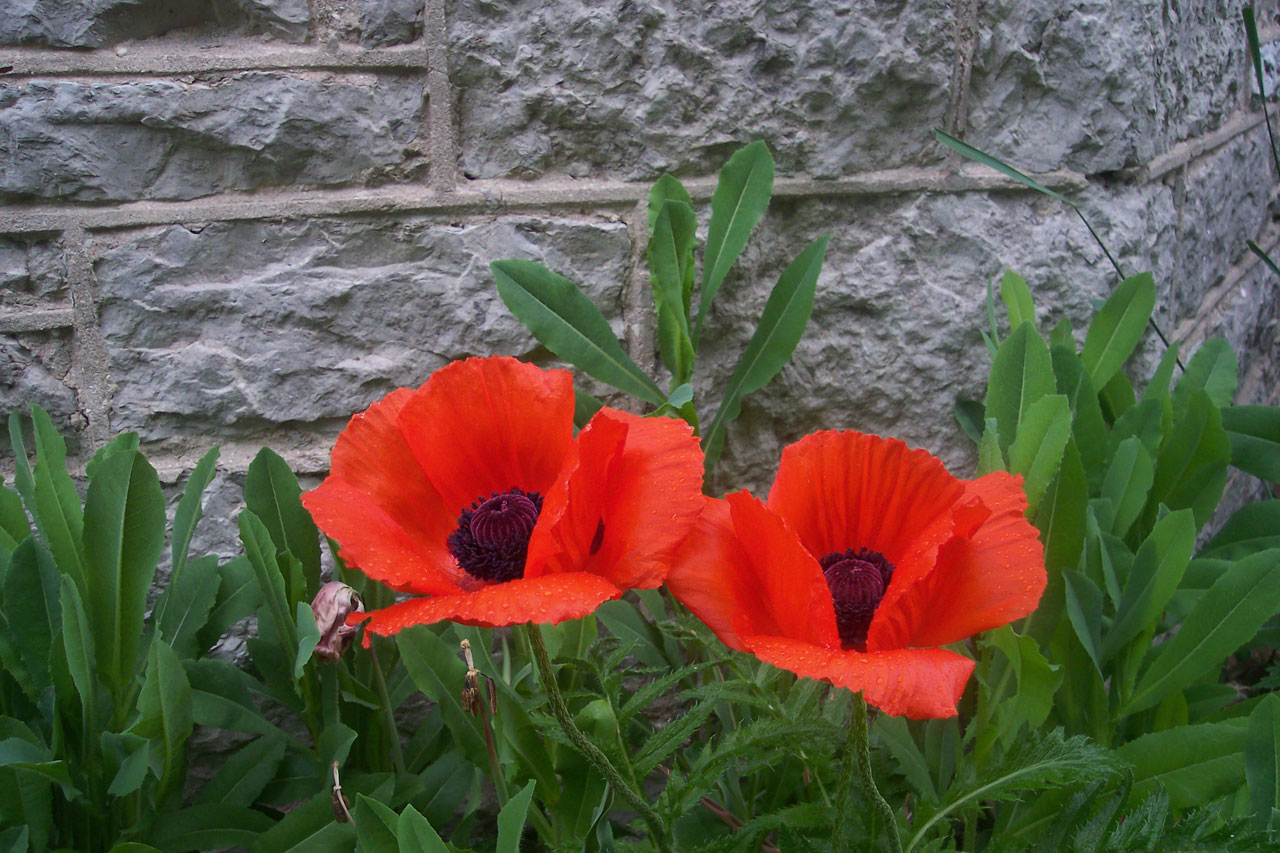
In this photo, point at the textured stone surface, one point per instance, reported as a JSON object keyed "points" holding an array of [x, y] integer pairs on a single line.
{"points": [[226, 329], [96, 23], [390, 21], [32, 272], [893, 339], [633, 89], [1219, 213], [33, 369], [170, 139], [1097, 86]]}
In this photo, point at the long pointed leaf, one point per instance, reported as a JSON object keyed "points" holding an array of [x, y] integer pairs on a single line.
{"points": [[781, 326], [1118, 327], [670, 256], [740, 199], [569, 324], [57, 511], [189, 509], [272, 492]]}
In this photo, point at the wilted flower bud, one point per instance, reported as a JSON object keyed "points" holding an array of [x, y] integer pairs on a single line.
{"points": [[332, 605]]}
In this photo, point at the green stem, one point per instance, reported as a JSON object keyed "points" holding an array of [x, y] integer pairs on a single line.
{"points": [[589, 750], [388, 717], [857, 772]]}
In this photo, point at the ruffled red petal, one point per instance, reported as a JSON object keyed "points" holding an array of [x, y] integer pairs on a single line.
{"points": [[915, 683], [841, 490], [379, 505], [742, 572], [985, 576], [487, 425], [550, 598]]}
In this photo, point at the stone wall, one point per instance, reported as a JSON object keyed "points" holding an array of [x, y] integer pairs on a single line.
{"points": [[240, 221]]}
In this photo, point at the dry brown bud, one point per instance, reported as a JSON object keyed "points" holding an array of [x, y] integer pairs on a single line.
{"points": [[332, 605]]}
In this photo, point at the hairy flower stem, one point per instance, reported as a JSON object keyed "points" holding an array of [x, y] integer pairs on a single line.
{"points": [[589, 750], [857, 772]]}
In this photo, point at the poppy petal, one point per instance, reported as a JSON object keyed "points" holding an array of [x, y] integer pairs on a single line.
{"points": [[654, 494], [786, 575], [989, 577], [916, 683], [487, 425], [550, 598], [566, 531], [712, 575], [379, 505], [841, 490]]}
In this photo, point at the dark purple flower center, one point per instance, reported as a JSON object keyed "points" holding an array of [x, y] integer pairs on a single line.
{"points": [[492, 538], [857, 580]]}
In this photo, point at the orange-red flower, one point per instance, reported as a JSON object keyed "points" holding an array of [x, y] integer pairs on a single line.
{"points": [[473, 493], [867, 557]]}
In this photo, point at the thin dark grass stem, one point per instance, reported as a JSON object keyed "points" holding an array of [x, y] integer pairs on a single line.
{"points": [[1255, 53]]}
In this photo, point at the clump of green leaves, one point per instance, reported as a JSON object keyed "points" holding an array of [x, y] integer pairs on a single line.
{"points": [[564, 320]]}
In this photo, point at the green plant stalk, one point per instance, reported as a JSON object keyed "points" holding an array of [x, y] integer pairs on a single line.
{"points": [[589, 750], [857, 773], [384, 699], [1251, 32]]}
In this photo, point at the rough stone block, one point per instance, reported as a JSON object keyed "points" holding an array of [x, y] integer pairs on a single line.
{"points": [[233, 327], [632, 89], [1097, 86], [384, 22], [171, 139], [32, 272], [96, 23], [1220, 211], [894, 336], [33, 369]]}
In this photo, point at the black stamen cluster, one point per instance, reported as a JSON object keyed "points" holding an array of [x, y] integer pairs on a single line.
{"points": [[857, 580], [505, 522]]}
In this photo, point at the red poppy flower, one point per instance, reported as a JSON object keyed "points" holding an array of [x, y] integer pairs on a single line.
{"points": [[868, 556], [473, 492]]}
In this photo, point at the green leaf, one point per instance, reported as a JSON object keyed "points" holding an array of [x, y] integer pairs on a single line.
{"points": [[1087, 426], [261, 551], [308, 637], [310, 828], [1060, 519], [23, 481], [1254, 432], [1118, 327], [14, 526], [1195, 764], [1225, 618], [670, 254], [1157, 569], [239, 595], [437, 671], [1262, 760], [1063, 336], [741, 196], [272, 493], [77, 640], [33, 611], [1191, 468], [133, 768], [1127, 483], [1017, 299], [189, 511], [781, 326], [1254, 527], [1084, 609], [971, 416], [416, 834], [584, 407], [244, 775], [511, 820], [567, 323], [999, 165], [1158, 386], [215, 826], [1212, 370], [56, 507], [1036, 451], [184, 607], [1145, 421], [124, 442], [1021, 374], [1037, 681], [124, 527], [375, 826], [666, 188], [164, 710], [989, 456], [897, 736]]}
